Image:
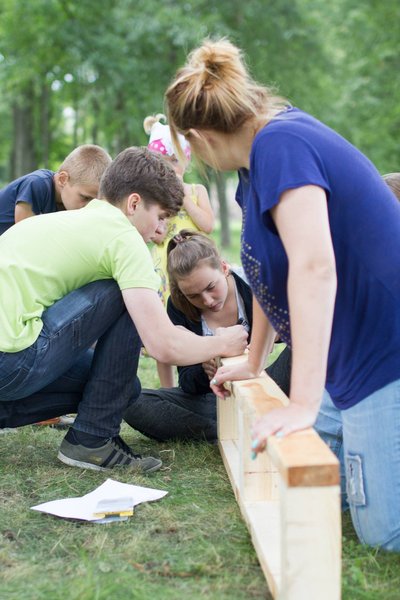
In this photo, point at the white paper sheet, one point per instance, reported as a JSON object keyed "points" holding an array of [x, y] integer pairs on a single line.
{"points": [[84, 507]]}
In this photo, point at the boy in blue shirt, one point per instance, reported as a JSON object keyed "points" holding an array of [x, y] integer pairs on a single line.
{"points": [[44, 191]]}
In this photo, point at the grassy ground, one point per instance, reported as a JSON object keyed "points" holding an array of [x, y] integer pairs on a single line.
{"points": [[191, 544]]}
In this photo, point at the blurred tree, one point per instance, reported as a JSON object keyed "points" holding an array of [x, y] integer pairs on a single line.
{"points": [[35, 54], [76, 72], [367, 108]]}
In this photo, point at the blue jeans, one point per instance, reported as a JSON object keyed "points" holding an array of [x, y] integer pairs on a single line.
{"points": [[366, 439], [62, 373]]}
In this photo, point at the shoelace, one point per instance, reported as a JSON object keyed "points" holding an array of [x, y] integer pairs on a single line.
{"points": [[119, 442]]}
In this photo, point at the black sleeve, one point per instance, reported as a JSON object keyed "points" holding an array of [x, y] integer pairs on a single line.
{"points": [[280, 370], [191, 378], [177, 316]]}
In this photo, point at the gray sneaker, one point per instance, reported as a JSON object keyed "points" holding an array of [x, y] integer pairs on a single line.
{"points": [[114, 453]]}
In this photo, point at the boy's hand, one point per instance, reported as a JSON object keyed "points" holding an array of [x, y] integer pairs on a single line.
{"points": [[235, 338]]}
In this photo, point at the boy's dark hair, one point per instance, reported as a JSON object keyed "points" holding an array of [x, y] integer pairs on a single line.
{"points": [[137, 170]]}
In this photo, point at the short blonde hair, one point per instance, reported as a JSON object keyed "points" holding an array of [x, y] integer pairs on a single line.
{"points": [[214, 90], [393, 181], [86, 164]]}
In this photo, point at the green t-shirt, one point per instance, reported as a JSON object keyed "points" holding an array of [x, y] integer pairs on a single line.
{"points": [[45, 257]]}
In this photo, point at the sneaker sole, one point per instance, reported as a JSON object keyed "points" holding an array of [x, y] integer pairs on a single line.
{"points": [[83, 465]]}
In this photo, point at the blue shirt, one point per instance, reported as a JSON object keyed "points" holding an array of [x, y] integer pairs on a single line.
{"points": [[36, 189], [294, 150]]}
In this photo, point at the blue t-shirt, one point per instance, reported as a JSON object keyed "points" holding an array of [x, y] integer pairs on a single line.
{"points": [[295, 150], [36, 189]]}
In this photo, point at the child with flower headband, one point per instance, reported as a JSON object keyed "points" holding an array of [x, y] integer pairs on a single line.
{"points": [[196, 212]]}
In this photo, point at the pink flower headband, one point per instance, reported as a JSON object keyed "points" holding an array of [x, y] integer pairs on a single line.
{"points": [[161, 141]]}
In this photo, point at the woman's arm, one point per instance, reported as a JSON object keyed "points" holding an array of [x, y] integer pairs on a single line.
{"points": [[301, 218], [262, 342], [201, 213], [174, 345]]}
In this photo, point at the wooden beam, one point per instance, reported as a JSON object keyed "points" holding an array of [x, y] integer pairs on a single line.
{"points": [[289, 497]]}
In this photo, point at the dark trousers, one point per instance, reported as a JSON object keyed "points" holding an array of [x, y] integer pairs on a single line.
{"points": [[171, 413], [61, 372]]}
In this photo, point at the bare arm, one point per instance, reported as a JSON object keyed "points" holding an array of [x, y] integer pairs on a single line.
{"points": [[301, 218], [262, 343], [23, 210], [166, 375], [201, 213], [174, 345]]}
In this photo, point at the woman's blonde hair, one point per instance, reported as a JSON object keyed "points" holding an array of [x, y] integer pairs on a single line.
{"points": [[186, 251], [393, 181], [215, 91]]}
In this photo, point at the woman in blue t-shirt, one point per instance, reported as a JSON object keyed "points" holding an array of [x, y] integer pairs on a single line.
{"points": [[321, 250]]}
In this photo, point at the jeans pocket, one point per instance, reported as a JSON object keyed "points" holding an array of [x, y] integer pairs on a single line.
{"points": [[11, 383], [69, 326]]}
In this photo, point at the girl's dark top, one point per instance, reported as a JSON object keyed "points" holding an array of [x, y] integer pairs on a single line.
{"points": [[192, 378]]}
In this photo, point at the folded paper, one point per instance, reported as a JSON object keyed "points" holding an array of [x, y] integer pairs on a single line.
{"points": [[111, 501]]}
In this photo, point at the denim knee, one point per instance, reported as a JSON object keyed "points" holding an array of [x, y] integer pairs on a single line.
{"points": [[371, 527]]}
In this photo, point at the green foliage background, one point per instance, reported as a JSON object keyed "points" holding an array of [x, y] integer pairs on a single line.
{"points": [[111, 62]]}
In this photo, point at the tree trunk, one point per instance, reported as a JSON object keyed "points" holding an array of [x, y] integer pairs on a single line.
{"points": [[23, 159], [220, 180], [95, 116], [75, 131], [45, 133], [121, 139]]}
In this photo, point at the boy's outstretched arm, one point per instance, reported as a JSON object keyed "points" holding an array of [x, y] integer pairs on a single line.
{"points": [[170, 344]]}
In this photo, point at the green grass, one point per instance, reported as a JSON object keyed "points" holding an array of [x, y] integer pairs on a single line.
{"points": [[231, 254], [191, 544]]}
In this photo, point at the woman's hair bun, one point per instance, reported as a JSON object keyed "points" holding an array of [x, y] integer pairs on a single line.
{"points": [[218, 60]]}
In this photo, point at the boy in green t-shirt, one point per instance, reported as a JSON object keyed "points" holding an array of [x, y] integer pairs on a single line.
{"points": [[74, 277]]}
